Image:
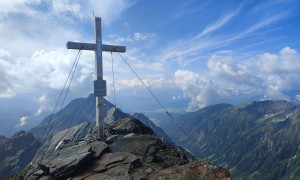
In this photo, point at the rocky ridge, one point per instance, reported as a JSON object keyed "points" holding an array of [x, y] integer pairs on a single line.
{"points": [[130, 151]]}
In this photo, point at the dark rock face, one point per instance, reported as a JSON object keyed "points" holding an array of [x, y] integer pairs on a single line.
{"points": [[16, 152], [157, 130], [131, 151]]}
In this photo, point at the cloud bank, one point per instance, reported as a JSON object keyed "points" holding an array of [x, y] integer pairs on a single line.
{"points": [[268, 76]]}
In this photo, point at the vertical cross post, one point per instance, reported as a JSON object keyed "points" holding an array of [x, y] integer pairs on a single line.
{"points": [[100, 108], [99, 83]]}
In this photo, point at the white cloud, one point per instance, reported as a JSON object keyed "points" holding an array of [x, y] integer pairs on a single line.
{"points": [[140, 36], [31, 31], [23, 121], [67, 6], [16, 6], [43, 102], [108, 10], [219, 23], [200, 89], [297, 98], [5, 74], [267, 76], [136, 37], [157, 66], [44, 75], [133, 83]]}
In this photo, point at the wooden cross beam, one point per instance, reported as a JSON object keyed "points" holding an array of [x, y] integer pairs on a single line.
{"points": [[99, 83]]}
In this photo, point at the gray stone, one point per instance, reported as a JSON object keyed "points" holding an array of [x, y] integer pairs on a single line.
{"points": [[150, 148], [63, 167], [112, 160], [111, 138], [69, 157], [39, 172], [112, 166], [98, 148], [130, 125]]}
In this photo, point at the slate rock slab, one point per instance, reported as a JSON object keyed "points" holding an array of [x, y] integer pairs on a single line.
{"points": [[71, 157]]}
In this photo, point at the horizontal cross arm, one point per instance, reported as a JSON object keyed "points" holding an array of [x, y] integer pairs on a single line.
{"points": [[113, 48], [82, 46], [92, 47]]}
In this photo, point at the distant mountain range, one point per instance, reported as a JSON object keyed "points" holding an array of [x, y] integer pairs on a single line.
{"points": [[258, 140]]}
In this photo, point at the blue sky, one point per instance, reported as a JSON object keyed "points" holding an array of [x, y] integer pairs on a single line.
{"points": [[192, 52]]}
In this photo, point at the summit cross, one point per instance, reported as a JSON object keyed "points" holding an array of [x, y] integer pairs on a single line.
{"points": [[99, 83]]}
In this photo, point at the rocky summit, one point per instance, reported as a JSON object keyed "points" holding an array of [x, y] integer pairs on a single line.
{"points": [[130, 151]]}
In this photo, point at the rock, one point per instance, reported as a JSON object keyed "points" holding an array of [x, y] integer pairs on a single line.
{"points": [[70, 158], [112, 160], [130, 125], [111, 166], [111, 138], [66, 154], [63, 167], [98, 148], [156, 129], [195, 170], [150, 148]]}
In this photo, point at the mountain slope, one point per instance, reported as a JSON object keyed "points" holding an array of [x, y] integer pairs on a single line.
{"points": [[255, 140], [16, 152]]}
